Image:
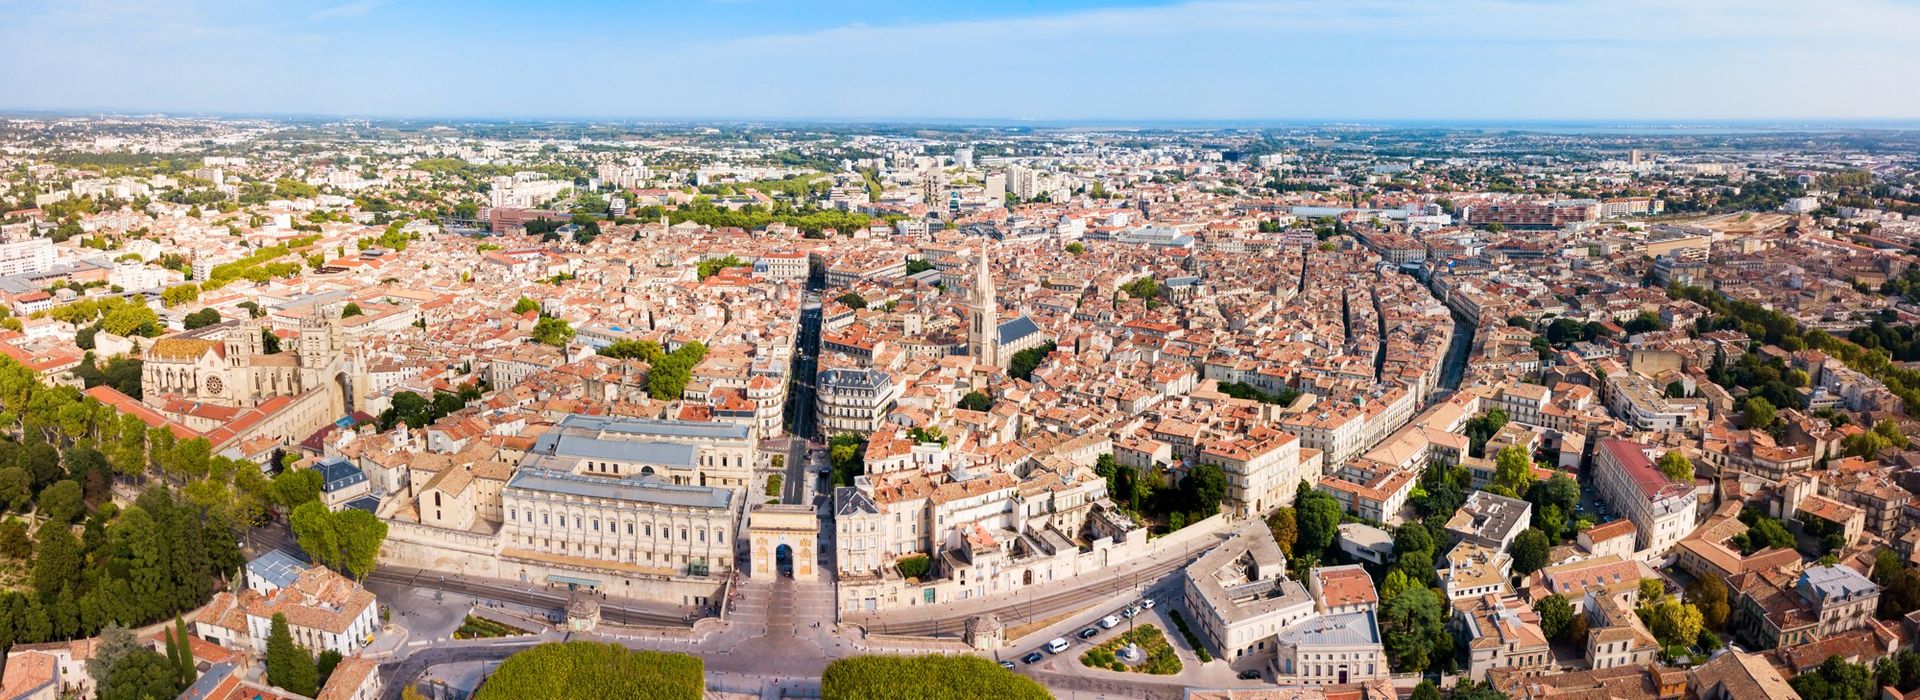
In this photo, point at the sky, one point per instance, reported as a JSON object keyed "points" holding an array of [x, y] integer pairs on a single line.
{"points": [[958, 60]]}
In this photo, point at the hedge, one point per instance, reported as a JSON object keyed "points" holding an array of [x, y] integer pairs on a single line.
{"points": [[924, 678], [591, 671]]}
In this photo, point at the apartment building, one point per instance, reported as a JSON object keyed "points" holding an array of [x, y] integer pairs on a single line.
{"points": [[1662, 510], [853, 400]]}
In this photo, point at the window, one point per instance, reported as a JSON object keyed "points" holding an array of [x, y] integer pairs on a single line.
{"points": [[563, 521], [543, 519], [629, 528]]}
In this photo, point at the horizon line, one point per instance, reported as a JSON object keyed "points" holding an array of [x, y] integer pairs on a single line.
{"points": [[1779, 123]]}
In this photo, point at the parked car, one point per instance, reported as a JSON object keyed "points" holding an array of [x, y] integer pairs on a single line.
{"points": [[1130, 612], [1059, 644], [1146, 603], [1033, 657], [1249, 675], [1008, 665], [1088, 633], [1109, 622]]}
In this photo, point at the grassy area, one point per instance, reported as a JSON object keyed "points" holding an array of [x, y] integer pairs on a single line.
{"points": [[774, 483], [480, 628], [1161, 659]]}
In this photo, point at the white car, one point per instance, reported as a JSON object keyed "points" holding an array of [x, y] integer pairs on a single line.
{"points": [[1109, 622], [1146, 603], [1059, 644]]}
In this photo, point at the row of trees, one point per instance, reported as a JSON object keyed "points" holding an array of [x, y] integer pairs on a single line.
{"points": [[419, 412], [347, 540], [1194, 498], [669, 373], [593, 670], [1023, 363], [151, 561], [925, 678], [1777, 328]]}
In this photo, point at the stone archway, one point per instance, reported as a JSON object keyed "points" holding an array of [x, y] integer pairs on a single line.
{"points": [[773, 527]]}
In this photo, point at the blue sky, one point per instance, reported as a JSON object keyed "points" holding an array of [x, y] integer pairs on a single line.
{"points": [[1485, 60]]}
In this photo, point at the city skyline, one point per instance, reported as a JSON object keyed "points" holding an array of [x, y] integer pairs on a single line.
{"points": [[1203, 62]]}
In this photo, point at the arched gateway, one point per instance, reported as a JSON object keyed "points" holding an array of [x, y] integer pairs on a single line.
{"points": [[773, 528]]}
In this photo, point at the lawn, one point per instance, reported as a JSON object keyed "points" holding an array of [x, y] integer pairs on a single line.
{"points": [[1161, 659]]}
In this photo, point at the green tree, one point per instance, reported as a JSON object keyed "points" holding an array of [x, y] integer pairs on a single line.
{"points": [[328, 661], [1512, 472], [116, 642], [1674, 622], [1676, 466], [202, 318], [1319, 519], [933, 678], [1758, 412], [524, 304], [187, 671], [292, 488], [1835, 679], [1205, 486], [180, 294], [1710, 596], [644, 350], [347, 541], [62, 502], [1558, 492], [583, 670], [1285, 527], [142, 674], [552, 331], [1530, 551], [58, 562], [711, 266], [976, 401], [1556, 615], [1426, 691], [16, 489], [1768, 532], [15, 543], [1023, 363], [351, 310], [1413, 628], [852, 300], [1481, 428], [288, 665]]}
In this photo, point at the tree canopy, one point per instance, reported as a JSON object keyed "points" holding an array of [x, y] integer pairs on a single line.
{"points": [[925, 678], [591, 670]]}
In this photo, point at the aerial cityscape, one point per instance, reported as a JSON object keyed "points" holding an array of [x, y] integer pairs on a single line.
{"points": [[407, 392]]}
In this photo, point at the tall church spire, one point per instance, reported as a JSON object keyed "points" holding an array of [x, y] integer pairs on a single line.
{"points": [[983, 329]]}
